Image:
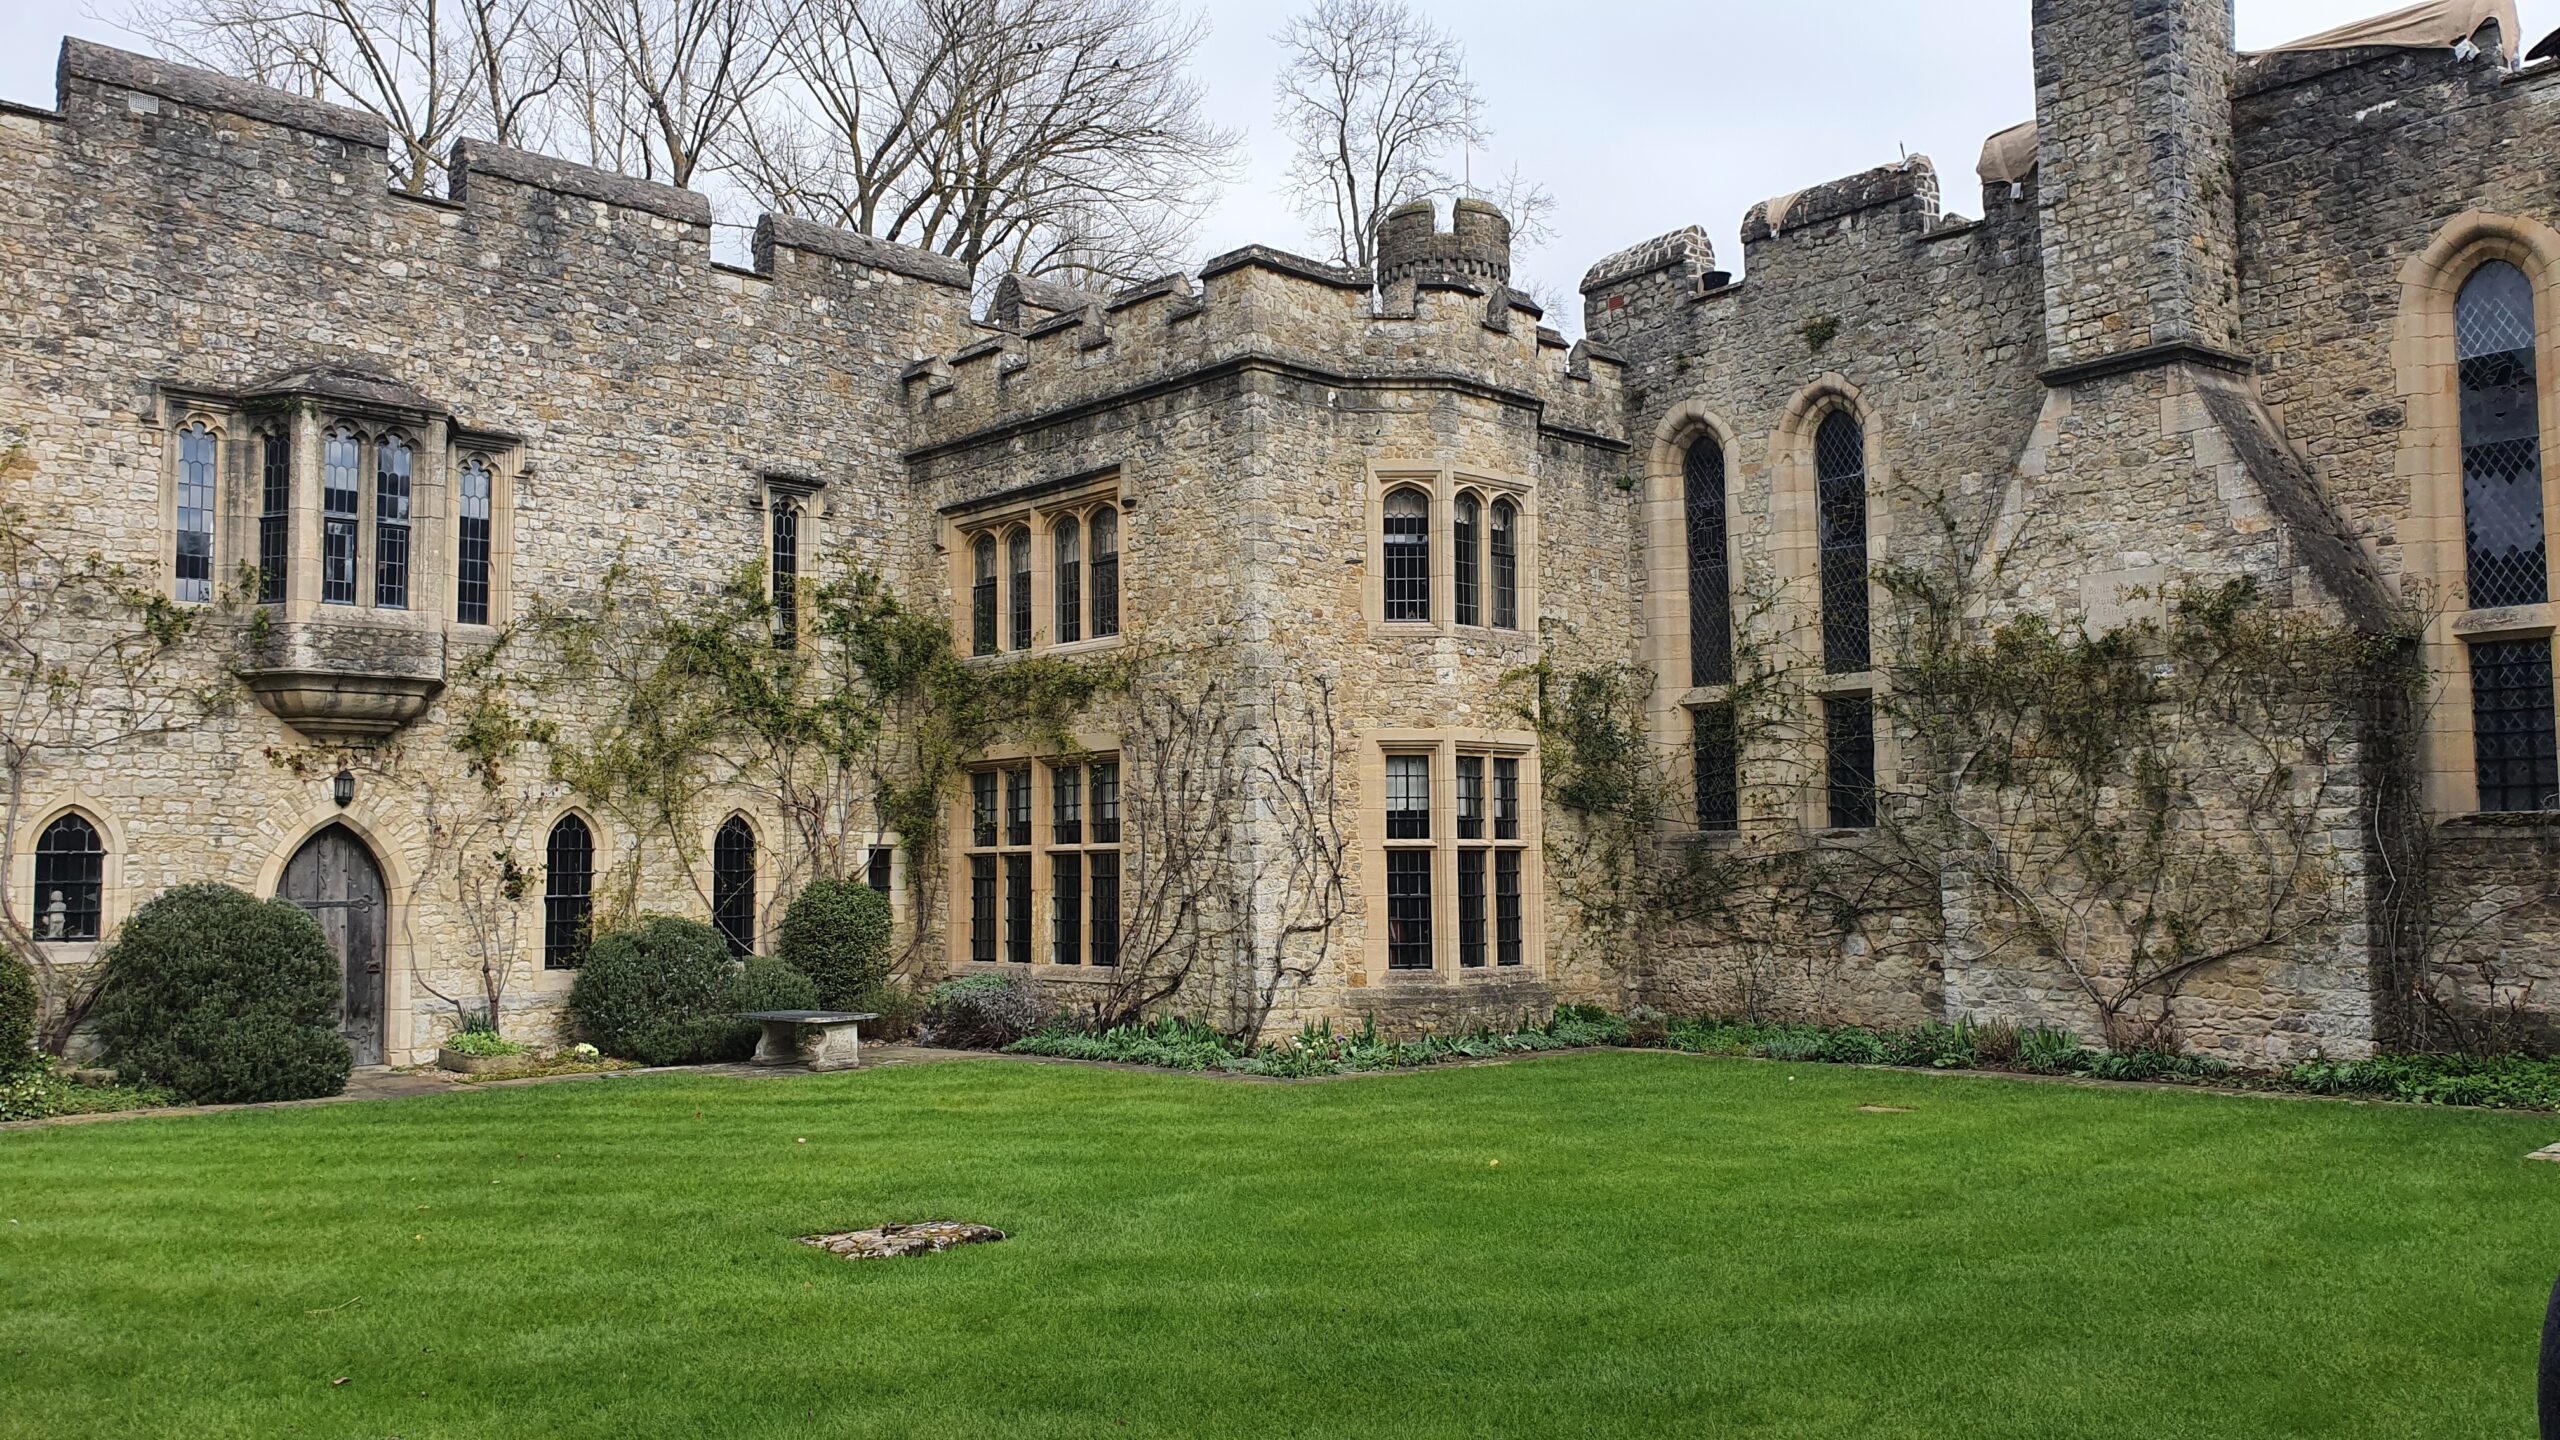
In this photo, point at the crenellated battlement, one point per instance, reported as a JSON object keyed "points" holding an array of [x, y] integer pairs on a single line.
{"points": [[1255, 306]]}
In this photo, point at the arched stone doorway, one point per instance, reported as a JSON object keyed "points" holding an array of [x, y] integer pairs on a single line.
{"points": [[334, 877]]}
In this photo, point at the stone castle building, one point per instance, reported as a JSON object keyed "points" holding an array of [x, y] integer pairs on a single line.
{"points": [[2285, 319]]}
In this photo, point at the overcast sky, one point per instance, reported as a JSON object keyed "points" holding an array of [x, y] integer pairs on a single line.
{"points": [[1641, 115]]}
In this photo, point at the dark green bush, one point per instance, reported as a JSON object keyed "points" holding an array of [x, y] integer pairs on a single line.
{"points": [[898, 1007], [660, 992], [984, 1012], [223, 998], [837, 933], [1851, 1047], [1580, 1025], [17, 1016]]}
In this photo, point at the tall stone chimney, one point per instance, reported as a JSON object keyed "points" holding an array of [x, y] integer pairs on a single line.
{"points": [[2133, 115]]}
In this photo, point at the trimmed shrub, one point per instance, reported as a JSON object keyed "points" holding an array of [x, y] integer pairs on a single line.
{"points": [[768, 984], [836, 932], [659, 992], [984, 1012], [898, 1007], [223, 998], [17, 1016]]}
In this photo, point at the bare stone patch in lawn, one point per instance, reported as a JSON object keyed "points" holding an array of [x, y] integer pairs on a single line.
{"points": [[1885, 1110], [892, 1242], [2551, 1153]]}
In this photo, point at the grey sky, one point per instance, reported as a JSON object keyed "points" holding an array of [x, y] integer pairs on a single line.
{"points": [[1641, 115]]}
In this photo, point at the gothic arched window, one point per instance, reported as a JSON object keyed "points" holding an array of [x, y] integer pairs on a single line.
{"points": [[1502, 554], [1710, 575], [568, 893], [1840, 466], [733, 885], [1069, 580], [1466, 541], [340, 499], [982, 596], [71, 869], [2501, 439], [195, 512], [471, 569], [392, 461], [1018, 568], [1106, 572], [1408, 556]]}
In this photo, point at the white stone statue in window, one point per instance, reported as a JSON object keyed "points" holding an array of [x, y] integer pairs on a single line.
{"points": [[56, 921]]}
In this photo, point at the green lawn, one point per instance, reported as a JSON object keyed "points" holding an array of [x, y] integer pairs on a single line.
{"points": [[1628, 1244]]}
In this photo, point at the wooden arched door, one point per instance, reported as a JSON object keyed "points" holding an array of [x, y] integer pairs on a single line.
{"points": [[334, 878]]}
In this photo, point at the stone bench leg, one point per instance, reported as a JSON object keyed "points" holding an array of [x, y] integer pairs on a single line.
{"points": [[779, 1045], [832, 1047]]}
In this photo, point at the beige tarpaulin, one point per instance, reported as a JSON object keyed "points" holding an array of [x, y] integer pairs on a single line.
{"points": [[2437, 23], [1778, 209], [2009, 156]]}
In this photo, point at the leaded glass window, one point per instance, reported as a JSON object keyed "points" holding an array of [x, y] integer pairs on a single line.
{"points": [[786, 571], [2512, 726], [341, 498], [1069, 580], [275, 514], [1840, 463], [1409, 909], [471, 567], [1510, 930], [2501, 440], [982, 596], [1471, 909], [71, 867], [1017, 909], [1710, 574], [1719, 768], [1408, 556], [1106, 803], [1106, 572], [568, 893], [1470, 797], [875, 867], [1466, 538], [1104, 917], [733, 885], [392, 462], [195, 513], [1502, 558], [1849, 747], [1408, 797], [982, 909], [1017, 806], [1066, 908], [1506, 797], [1018, 566]]}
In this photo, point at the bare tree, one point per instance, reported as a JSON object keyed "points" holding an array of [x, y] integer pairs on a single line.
{"points": [[1374, 97], [429, 69], [660, 85], [1044, 136]]}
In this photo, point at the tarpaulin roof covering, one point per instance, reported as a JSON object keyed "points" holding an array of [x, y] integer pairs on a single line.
{"points": [[2436, 23]]}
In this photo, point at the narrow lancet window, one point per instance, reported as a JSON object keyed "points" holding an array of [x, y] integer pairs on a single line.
{"points": [[2501, 440], [195, 513], [1710, 576], [1408, 556], [1840, 461]]}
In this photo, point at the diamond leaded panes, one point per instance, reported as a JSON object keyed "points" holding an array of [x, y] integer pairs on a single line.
{"points": [[1710, 576], [2501, 440], [1840, 464], [2512, 725]]}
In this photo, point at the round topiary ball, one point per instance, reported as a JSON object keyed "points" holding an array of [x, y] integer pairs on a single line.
{"points": [[223, 998], [17, 1015], [660, 992], [837, 933]]}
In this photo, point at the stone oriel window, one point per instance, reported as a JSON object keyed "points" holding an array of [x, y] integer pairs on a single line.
{"points": [[471, 552], [198, 452], [568, 893], [1454, 872], [1407, 538], [1710, 564], [733, 884], [1840, 469], [2513, 736], [1849, 761], [275, 513], [71, 865], [2502, 500], [1040, 572]]}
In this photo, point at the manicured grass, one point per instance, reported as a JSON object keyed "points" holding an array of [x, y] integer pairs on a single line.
{"points": [[1618, 1244]]}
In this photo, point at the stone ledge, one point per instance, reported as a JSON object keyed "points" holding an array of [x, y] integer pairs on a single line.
{"points": [[122, 69]]}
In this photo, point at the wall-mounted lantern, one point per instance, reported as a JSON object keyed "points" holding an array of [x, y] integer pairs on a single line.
{"points": [[343, 788]]}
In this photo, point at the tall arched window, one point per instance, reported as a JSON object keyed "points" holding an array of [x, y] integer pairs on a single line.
{"points": [[568, 893], [982, 596], [70, 873], [1840, 464], [733, 885], [2501, 439], [1018, 567], [391, 477], [786, 571], [1466, 539], [1710, 575], [1502, 553], [340, 498], [1106, 572], [471, 568], [1408, 556], [195, 512], [1069, 580]]}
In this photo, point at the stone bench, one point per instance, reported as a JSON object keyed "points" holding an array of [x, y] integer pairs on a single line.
{"points": [[813, 1039]]}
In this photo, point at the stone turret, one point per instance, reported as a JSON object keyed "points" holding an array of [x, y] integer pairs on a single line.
{"points": [[1475, 252]]}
